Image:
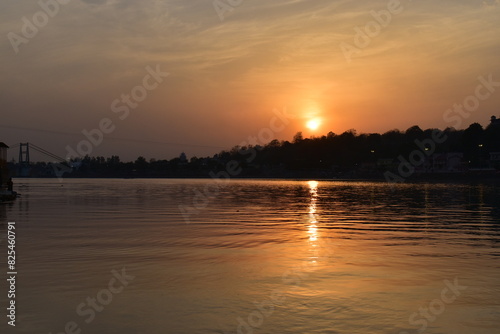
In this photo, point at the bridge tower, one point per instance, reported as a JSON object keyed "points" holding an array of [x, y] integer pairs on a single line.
{"points": [[24, 159]]}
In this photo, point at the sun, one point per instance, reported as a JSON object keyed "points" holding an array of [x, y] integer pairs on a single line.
{"points": [[313, 124]]}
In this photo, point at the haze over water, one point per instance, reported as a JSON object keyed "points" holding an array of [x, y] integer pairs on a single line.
{"points": [[262, 257]]}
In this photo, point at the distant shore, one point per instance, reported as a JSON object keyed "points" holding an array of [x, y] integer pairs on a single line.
{"points": [[457, 178]]}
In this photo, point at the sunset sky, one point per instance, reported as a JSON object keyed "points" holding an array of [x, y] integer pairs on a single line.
{"points": [[228, 70]]}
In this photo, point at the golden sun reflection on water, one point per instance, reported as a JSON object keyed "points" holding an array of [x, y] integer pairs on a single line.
{"points": [[312, 220], [313, 190]]}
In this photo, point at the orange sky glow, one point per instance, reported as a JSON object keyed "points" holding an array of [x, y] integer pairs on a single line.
{"points": [[372, 66]]}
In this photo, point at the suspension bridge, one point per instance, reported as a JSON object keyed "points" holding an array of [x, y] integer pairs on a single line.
{"points": [[24, 157]]}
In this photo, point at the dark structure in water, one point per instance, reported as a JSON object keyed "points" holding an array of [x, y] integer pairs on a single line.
{"points": [[6, 192]]}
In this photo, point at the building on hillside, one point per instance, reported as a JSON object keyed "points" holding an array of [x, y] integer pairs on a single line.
{"points": [[443, 163], [495, 160], [495, 156]]}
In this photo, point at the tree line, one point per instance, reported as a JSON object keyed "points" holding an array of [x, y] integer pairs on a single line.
{"points": [[328, 155]]}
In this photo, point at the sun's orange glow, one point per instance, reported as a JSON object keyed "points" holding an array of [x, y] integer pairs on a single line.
{"points": [[313, 124]]}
